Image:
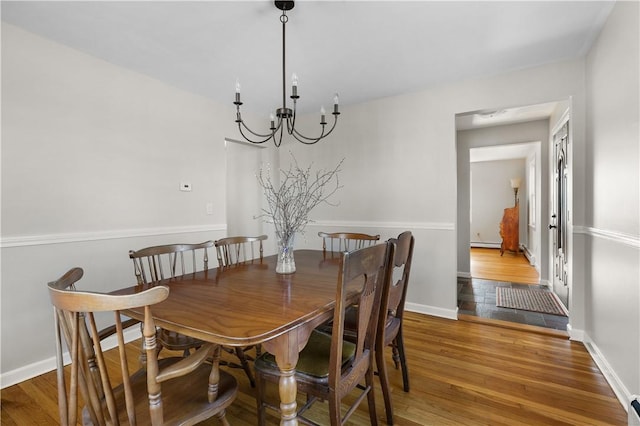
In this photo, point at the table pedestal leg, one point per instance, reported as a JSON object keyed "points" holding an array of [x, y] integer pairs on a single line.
{"points": [[285, 348], [288, 391]]}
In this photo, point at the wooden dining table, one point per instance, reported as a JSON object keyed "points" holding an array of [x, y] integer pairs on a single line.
{"points": [[251, 304]]}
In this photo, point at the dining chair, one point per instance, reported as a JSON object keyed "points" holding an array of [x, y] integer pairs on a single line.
{"points": [[346, 241], [389, 332], [172, 390], [169, 261], [391, 314], [329, 367], [235, 250]]}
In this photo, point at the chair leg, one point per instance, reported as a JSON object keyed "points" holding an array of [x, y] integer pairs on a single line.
{"points": [[384, 384], [245, 366], [395, 355], [371, 399], [260, 389], [335, 417], [399, 342], [222, 417]]}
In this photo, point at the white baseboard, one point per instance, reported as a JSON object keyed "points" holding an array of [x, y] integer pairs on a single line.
{"points": [[618, 387], [530, 256], [432, 310], [30, 371], [478, 244], [575, 334]]}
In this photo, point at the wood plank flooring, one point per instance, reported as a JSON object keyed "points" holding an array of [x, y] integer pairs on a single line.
{"points": [[487, 264], [462, 373]]}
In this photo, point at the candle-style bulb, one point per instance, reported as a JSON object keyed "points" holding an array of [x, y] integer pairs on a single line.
{"points": [[237, 101], [322, 111], [294, 86], [336, 99]]}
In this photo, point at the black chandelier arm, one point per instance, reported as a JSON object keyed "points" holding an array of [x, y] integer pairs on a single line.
{"points": [[264, 138], [241, 122], [310, 141]]}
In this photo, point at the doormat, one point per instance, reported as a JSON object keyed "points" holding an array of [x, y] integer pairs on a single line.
{"points": [[542, 301]]}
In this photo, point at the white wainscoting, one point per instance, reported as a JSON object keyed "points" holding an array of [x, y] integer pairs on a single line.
{"points": [[30, 262], [103, 255], [433, 282], [614, 278]]}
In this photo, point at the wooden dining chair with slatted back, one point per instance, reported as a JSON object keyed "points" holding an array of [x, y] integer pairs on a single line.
{"points": [[172, 390], [233, 251], [346, 241], [390, 319], [330, 368], [391, 315], [170, 261]]}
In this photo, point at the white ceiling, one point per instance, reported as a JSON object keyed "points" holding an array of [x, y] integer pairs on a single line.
{"points": [[502, 152], [362, 49], [493, 117]]}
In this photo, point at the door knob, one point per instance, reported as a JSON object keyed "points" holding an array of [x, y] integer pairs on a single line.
{"points": [[552, 226]]}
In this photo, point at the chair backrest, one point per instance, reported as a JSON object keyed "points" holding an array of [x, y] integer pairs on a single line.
{"points": [[235, 250], [346, 241], [394, 300], [366, 268], [75, 323], [169, 261]]}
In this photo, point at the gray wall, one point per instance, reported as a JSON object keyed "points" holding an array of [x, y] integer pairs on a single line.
{"points": [[608, 237], [490, 194]]}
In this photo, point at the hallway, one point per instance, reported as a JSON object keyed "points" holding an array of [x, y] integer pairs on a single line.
{"points": [[489, 270], [487, 264]]}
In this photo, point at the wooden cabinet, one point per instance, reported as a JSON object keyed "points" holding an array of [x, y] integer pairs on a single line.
{"points": [[509, 230]]}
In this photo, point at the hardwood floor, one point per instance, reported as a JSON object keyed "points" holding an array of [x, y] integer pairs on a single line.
{"points": [[462, 373], [486, 263]]}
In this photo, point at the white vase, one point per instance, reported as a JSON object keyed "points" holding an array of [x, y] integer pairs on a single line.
{"points": [[286, 263]]}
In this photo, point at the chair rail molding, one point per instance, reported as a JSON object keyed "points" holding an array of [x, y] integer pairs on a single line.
{"points": [[433, 226], [618, 237], [37, 240]]}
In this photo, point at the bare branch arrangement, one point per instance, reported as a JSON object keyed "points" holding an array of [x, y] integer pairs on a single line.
{"points": [[299, 192]]}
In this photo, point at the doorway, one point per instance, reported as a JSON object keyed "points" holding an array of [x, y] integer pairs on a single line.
{"points": [[535, 198], [243, 194]]}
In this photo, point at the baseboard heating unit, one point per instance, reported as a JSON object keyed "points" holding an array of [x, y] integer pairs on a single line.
{"points": [[634, 411]]}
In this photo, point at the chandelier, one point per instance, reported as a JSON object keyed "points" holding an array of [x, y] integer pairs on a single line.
{"points": [[284, 116]]}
